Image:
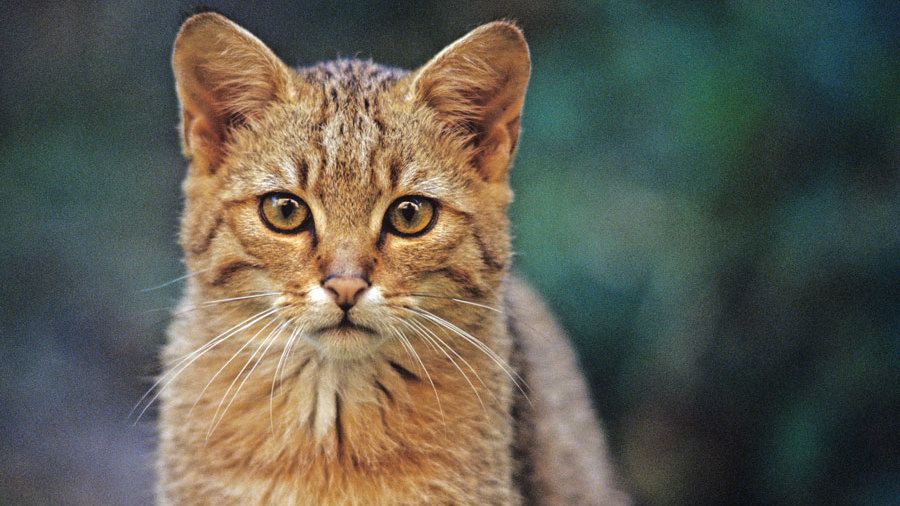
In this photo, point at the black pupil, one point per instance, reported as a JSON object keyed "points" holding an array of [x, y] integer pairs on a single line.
{"points": [[286, 207], [408, 210]]}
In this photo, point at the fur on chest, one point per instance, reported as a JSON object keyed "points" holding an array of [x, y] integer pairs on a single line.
{"points": [[291, 426]]}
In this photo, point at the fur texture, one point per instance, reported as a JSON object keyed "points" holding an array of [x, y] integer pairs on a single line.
{"points": [[266, 396]]}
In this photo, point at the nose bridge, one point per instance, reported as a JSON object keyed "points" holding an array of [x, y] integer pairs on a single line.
{"points": [[346, 244], [346, 262], [346, 255]]}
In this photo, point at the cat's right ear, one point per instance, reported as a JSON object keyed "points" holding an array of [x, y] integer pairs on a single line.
{"points": [[224, 77]]}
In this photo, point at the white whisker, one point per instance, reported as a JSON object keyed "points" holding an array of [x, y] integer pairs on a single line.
{"points": [[208, 303], [455, 299], [438, 342], [173, 281], [476, 304], [409, 347], [517, 380], [231, 359], [281, 365], [267, 343], [190, 358]]}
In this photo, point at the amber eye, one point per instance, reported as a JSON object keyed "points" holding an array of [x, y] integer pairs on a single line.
{"points": [[410, 216], [283, 212]]}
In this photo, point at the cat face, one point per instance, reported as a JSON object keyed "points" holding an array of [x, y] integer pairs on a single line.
{"points": [[349, 197]]}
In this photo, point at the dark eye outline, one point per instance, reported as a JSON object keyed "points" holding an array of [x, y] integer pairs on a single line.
{"points": [[305, 224], [388, 226]]}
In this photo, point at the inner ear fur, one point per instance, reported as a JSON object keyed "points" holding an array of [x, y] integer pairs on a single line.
{"points": [[224, 77], [477, 87]]}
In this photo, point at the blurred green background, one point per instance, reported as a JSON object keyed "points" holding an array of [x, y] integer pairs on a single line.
{"points": [[707, 193]]}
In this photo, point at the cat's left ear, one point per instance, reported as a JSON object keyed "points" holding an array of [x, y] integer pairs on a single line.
{"points": [[477, 87]]}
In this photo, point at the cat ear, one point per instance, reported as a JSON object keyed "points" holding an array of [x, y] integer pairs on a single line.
{"points": [[477, 86], [224, 77]]}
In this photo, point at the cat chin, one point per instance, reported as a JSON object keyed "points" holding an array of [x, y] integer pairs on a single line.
{"points": [[347, 343]]}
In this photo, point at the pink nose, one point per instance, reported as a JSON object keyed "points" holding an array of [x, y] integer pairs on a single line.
{"points": [[345, 290]]}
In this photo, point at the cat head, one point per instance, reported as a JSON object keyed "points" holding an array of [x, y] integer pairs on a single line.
{"points": [[348, 196]]}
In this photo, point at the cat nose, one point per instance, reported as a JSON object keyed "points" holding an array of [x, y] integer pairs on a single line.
{"points": [[345, 290]]}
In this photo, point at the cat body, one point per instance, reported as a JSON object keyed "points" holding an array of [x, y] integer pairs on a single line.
{"points": [[350, 331]]}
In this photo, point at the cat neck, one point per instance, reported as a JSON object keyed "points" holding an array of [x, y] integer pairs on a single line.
{"points": [[439, 386]]}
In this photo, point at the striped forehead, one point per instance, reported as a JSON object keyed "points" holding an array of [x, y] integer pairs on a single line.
{"points": [[348, 139], [349, 142], [350, 134]]}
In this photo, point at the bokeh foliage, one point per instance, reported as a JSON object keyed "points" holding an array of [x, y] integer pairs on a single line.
{"points": [[707, 194]]}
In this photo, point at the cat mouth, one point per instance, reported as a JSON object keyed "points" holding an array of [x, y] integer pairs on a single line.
{"points": [[347, 326], [347, 340]]}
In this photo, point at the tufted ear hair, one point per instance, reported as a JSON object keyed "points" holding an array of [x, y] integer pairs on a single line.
{"points": [[477, 87], [224, 77]]}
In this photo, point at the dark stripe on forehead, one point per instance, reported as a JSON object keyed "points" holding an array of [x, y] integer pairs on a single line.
{"points": [[302, 171], [395, 174], [374, 112], [318, 139], [324, 112], [373, 152], [376, 145]]}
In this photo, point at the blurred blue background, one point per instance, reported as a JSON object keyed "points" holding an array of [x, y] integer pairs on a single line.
{"points": [[707, 193]]}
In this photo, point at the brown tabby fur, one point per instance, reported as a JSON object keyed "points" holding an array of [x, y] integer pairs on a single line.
{"points": [[281, 410]]}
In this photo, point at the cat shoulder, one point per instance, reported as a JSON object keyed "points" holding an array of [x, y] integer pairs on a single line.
{"points": [[560, 436]]}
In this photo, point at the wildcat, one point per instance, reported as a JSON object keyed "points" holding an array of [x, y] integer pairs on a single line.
{"points": [[350, 331]]}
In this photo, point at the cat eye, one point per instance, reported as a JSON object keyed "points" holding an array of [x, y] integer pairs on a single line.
{"points": [[283, 212], [411, 216]]}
